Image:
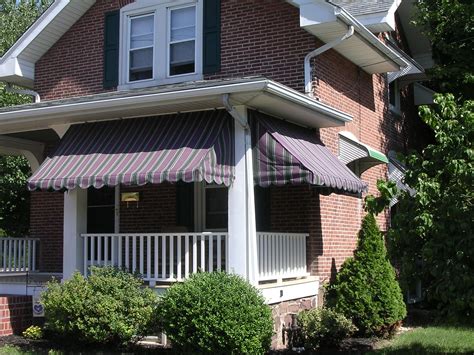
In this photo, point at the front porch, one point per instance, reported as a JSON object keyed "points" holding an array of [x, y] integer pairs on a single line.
{"points": [[171, 257], [195, 159]]}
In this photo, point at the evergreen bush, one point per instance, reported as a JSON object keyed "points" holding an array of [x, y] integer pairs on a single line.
{"points": [[216, 313], [365, 289], [324, 327], [109, 307]]}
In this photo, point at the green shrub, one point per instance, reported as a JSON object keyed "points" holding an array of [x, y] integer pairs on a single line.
{"points": [[109, 307], [33, 332], [366, 289], [216, 313], [324, 327]]}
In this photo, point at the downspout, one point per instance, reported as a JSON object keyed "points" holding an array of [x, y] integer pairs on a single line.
{"points": [[36, 96], [318, 51]]}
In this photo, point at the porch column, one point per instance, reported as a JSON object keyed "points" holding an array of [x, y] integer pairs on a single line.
{"points": [[242, 244], [75, 223]]}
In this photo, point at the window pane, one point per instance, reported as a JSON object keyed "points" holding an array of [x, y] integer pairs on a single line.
{"points": [[183, 24], [141, 32], [182, 58], [216, 208], [141, 64]]}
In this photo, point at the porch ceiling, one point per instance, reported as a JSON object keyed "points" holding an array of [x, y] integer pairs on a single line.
{"points": [[257, 93]]}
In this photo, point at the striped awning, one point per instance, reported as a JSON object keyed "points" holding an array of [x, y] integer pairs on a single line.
{"points": [[287, 153], [189, 147]]}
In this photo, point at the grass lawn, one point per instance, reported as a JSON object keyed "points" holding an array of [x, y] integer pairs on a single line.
{"points": [[431, 340]]}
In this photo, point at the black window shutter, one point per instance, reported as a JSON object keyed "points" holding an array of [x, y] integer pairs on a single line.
{"points": [[111, 48], [212, 36], [185, 205]]}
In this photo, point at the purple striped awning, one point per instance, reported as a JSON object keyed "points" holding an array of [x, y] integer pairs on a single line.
{"points": [[287, 153], [189, 147]]}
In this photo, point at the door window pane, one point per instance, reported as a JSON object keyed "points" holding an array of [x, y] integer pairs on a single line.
{"points": [[216, 207], [101, 210]]}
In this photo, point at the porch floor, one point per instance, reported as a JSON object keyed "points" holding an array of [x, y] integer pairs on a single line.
{"points": [[32, 279]]}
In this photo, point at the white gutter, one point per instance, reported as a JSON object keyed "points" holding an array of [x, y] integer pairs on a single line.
{"points": [[318, 51], [36, 96], [51, 114], [365, 33]]}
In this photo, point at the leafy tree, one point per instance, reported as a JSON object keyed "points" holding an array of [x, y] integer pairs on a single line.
{"points": [[432, 233], [365, 289], [449, 24], [14, 199]]}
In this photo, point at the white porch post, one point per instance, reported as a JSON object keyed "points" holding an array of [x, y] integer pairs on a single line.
{"points": [[75, 223], [242, 244]]}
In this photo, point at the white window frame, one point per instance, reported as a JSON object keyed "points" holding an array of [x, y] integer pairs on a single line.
{"points": [[162, 13], [200, 206]]}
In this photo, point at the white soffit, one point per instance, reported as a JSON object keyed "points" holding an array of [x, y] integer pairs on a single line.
{"points": [[18, 63], [328, 22]]}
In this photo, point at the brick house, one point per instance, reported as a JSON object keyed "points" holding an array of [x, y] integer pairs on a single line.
{"points": [[172, 136]]}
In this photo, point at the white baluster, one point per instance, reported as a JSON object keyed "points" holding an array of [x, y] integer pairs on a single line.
{"points": [[156, 258], [171, 257], [148, 257], [178, 257], [134, 253], [211, 253], [84, 271], [219, 247], [163, 257], [195, 257], [186, 256]]}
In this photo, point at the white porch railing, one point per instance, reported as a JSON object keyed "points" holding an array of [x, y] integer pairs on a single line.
{"points": [[281, 255], [18, 254], [157, 257]]}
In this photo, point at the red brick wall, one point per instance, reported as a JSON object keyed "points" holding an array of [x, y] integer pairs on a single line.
{"points": [[46, 223], [73, 66], [263, 38], [16, 314], [258, 38], [155, 213]]}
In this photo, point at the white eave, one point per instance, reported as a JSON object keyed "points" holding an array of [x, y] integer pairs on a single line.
{"points": [[17, 65], [412, 72], [328, 22], [259, 94], [381, 21]]}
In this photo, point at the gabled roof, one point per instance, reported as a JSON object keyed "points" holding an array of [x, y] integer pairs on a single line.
{"points": [[18, 64], [365, 7], [376, 15]]}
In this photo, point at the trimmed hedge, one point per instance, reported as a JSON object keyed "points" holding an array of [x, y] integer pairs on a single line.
{"points": [[216, 313], [109, 307], [366, 289]]}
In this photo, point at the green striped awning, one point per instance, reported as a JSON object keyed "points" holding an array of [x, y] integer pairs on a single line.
{"points": [[351, 149]]}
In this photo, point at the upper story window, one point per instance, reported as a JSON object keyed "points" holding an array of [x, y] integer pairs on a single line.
{"points": [[161, 42], [394, 97]]}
